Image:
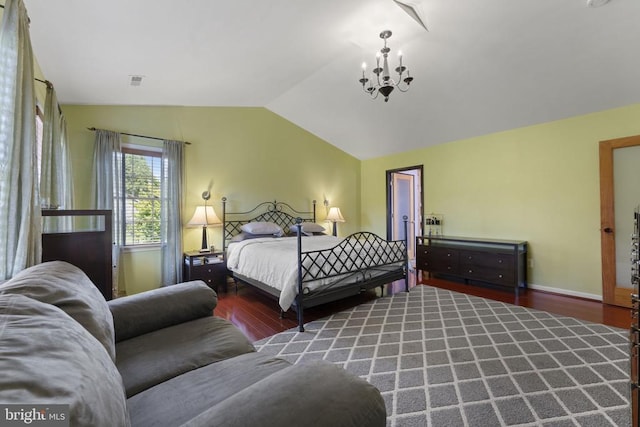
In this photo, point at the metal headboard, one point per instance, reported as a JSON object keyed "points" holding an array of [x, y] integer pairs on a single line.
{"points": [[280, 213]]}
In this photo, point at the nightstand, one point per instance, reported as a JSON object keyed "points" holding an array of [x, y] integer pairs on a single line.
{"points": [[210, 267]]}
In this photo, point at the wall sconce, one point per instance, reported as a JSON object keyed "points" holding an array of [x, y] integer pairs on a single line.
{"points": [[335, 216], [203, 216]]}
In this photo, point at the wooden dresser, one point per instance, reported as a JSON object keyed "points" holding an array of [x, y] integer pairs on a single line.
{"points": [[82, 238], [497, 262]]}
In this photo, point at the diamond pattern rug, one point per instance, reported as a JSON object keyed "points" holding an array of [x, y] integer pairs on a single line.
{"points": [[442, 358]]}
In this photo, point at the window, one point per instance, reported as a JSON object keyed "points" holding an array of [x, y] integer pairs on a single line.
{"points": [[141, 169], [39, 137]]}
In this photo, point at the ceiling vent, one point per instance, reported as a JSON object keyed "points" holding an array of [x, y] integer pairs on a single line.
{"points": [[135, 80]]}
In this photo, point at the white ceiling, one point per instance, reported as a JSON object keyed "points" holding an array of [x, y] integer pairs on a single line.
{"points": [[483, 66]]}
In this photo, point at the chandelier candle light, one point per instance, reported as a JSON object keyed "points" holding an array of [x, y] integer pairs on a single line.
{"points": [[384, 83]]}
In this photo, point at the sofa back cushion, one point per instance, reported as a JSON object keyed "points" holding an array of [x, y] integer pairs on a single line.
{"points": [[148, 311], [68, 288], [47, 358]]}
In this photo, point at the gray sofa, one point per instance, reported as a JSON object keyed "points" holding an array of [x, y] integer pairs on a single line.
{"points": [[158, 358]]}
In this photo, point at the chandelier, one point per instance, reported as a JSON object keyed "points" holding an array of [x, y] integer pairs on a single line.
{"points": [[383, 83]]}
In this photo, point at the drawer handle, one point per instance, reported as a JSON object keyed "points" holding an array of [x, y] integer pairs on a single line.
{"points": [[449, 268], [500, 276], [449, 254], [469, 257], [499, 261], [470, 271]]}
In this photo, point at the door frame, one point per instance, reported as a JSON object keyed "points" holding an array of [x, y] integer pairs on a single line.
{"points": [[611, 292], [390, 196]]}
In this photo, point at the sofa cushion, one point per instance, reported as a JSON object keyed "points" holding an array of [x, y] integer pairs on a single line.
{"points": [[256, 389], [46, 357], [198, 390], [159, 308], [323, 395], [68, 288], [152, 358]]}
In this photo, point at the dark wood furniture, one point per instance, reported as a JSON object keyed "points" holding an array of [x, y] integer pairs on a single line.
{"points": [[210, 267], [82, 238], [634, 332], [498, 262]]}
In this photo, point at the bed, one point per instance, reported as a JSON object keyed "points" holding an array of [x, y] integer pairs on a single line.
{"points": [[282, 252]]}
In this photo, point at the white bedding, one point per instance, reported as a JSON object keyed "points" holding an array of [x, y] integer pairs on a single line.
{"points": [[274, 262]]}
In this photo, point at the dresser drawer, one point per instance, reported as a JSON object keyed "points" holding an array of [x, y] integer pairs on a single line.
{"points": [[434, 258], [494, 260], [489, 274], [214, 275]]}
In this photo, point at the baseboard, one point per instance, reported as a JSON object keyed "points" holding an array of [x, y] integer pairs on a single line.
{"points": [[565, 292]]}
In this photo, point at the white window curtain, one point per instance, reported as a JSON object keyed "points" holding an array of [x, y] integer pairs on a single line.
{"points": [[56, 189], [107, 188], [20, 220], [171, 185]]}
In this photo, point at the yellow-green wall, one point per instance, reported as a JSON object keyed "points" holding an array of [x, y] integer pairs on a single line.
{"points": [[249, 155], [538, 183]]}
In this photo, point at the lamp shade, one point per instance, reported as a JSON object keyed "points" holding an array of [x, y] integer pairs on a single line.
{"points": [[335, 215], [204, 215]]}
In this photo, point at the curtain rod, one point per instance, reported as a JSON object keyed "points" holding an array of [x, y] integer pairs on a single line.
{"points": [[139, 136], [47, 82]]}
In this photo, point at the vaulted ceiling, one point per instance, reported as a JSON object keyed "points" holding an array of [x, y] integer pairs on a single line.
{"points": [[482, 66]]}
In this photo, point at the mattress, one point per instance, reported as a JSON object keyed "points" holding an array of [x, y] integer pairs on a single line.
{"points": [[274, 262]]}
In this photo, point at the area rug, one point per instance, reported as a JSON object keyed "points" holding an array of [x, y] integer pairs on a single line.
{"points": [[442, 358]]}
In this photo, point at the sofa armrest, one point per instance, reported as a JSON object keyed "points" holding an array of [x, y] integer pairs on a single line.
{"points": [[148, 311], [317, 394]]}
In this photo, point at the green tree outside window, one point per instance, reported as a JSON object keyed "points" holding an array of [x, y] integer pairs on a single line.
{"points": [[141, 198]]}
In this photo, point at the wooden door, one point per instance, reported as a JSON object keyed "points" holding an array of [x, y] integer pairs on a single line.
{"points": [[615, 290]]}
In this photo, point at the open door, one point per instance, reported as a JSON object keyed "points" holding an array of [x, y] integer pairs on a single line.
{"points": [[405, 199], [619, 195]]}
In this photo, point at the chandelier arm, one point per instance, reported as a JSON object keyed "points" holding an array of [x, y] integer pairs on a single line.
{"points": [[371, 93]]}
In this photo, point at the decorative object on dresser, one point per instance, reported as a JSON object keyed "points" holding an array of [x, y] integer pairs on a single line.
{"points": [[498, 262], [203, 216], [334, 216], [434, 224], [82, 238], [635, 319], [310, 270], [210, 267]]}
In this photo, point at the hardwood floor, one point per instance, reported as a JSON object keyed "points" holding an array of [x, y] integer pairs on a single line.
{"points": [[257, 315]]}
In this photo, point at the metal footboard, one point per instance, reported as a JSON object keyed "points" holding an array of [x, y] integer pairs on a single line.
{"points": [[363, 255]]}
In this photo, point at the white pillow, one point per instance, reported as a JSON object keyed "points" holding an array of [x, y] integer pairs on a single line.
{"points": [[262, 228], [310, 227]]}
